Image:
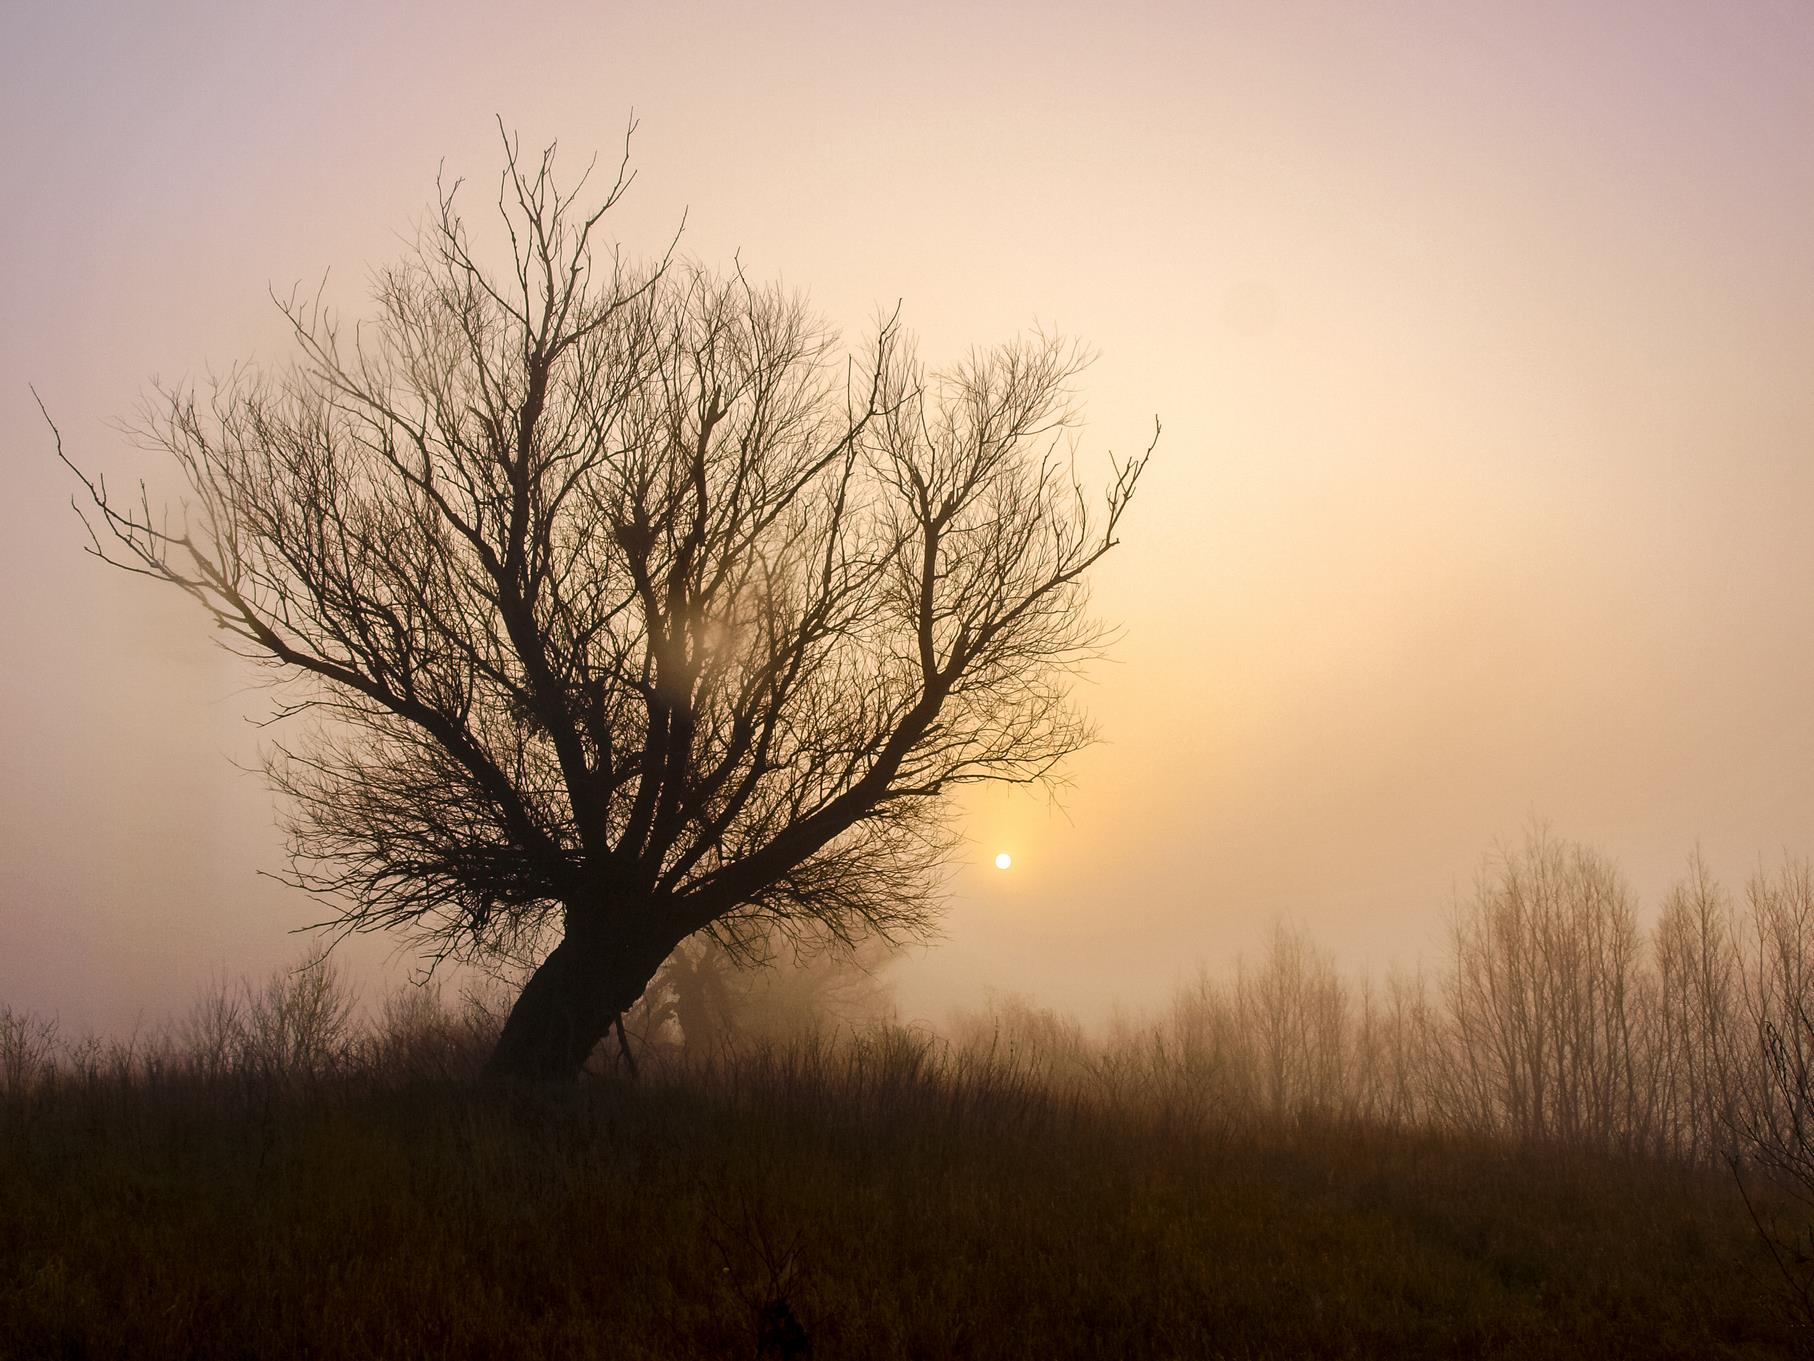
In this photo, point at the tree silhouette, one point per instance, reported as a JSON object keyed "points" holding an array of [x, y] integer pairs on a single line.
{"points": [[614, 607]]}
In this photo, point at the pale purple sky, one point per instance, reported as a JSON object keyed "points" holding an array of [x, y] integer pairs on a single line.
{"points": [[1481, 334]]}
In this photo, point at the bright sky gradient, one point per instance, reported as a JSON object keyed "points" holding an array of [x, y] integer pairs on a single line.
{"points": [[1483, 335]]}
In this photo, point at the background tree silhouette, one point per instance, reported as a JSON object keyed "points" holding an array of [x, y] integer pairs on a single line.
{"points": [[614, 606]]}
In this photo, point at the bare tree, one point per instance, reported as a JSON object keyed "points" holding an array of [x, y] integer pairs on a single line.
{"points": [[1546, 999], [1699, 1038], [1295, 1008], [1771, 1122], [621, 607]]}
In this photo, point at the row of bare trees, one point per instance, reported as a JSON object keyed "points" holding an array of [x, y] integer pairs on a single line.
{"points": [[1555, 1016]]}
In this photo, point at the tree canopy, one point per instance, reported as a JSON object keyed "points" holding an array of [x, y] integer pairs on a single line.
{"points": [[613, 602]]}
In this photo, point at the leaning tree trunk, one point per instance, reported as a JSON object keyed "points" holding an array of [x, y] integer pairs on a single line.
{"points": [[570, 1002]]}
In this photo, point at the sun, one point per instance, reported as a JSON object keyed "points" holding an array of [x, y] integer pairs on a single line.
{"points": [[1003, 861]]}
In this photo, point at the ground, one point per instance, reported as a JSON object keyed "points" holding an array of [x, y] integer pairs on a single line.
{"points": [[894, 1209]]}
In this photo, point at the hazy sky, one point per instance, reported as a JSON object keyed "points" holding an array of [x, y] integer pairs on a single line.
{"points": [[1483, 335]]}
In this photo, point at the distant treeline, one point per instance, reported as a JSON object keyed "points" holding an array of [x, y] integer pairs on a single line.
{"points": [[1554, 1016]]}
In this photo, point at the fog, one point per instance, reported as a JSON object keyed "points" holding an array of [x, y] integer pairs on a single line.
{"points": [[1479, 334]]}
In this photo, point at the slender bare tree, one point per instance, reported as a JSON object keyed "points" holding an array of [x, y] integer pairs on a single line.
{"points": [[621, 606]]}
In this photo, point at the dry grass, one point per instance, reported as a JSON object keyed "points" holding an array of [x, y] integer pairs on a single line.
{"points": [[902, 1198]]}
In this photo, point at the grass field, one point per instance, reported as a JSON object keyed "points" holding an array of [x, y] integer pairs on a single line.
{"points": [[878, 1200]]}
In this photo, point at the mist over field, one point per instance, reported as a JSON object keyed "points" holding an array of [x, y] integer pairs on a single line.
{"points": [[1403, 778]]}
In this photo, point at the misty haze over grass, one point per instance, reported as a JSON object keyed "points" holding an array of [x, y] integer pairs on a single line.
{"points": [[1564, 1142]]}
